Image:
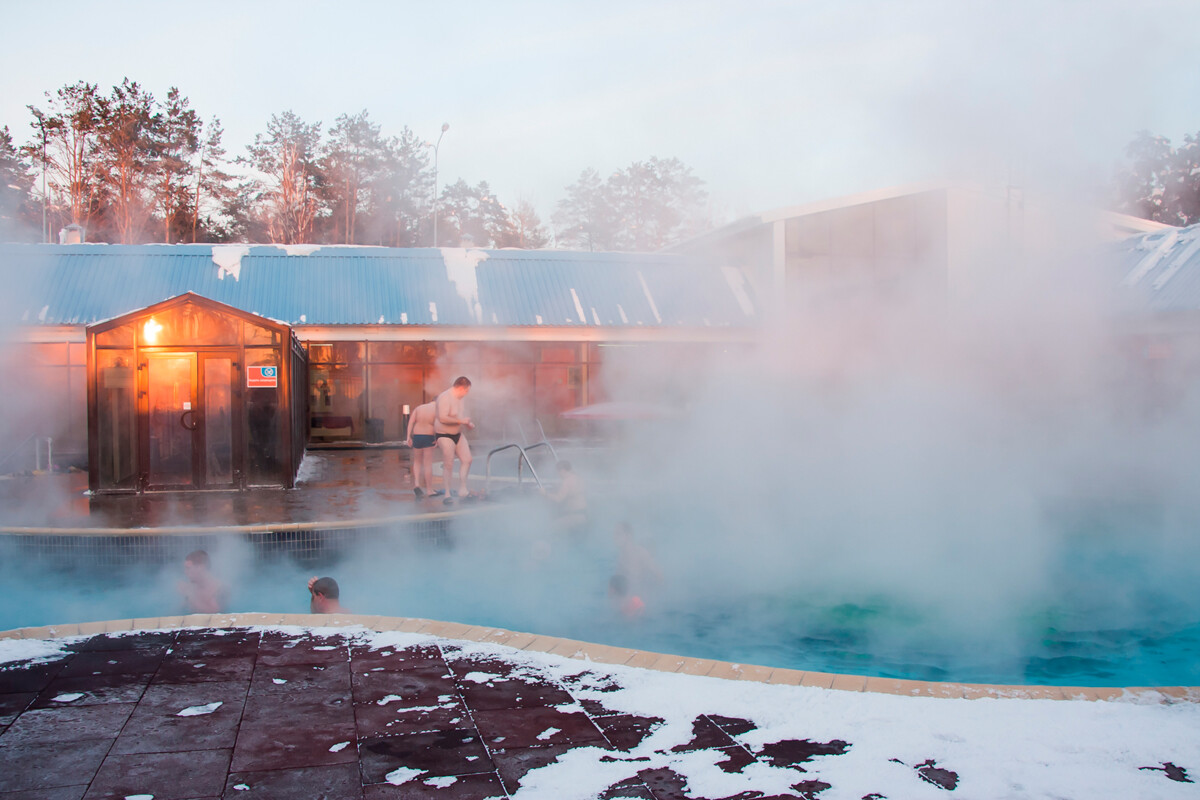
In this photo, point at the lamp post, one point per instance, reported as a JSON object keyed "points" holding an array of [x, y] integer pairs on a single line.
{"points": [[41, 119], [445, 127]]}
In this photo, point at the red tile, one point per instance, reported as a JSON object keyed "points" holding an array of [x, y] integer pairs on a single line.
{"points": [[157, 727], [512, 693], [481, 786], [451, 752], [29, 677], [95, 690], [165, 776], [279, 649], [37, 767], [537, 727], [512, 765], [415, 687], [393, 719], [59, 725], [626, 731], [138, 661], [203, 669], [294, 730], [335, 781], [270, 679]]}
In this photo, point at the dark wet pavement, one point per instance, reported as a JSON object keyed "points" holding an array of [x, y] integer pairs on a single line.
{"points": [[338, 485], [248, 714]]}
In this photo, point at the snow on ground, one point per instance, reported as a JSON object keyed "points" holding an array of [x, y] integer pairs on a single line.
{"points": [[860, 744], [32, 649], [312, 468], [999, 748]]}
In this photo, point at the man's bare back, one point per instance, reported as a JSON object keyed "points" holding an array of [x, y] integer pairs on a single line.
{"points": [[421, 422]]}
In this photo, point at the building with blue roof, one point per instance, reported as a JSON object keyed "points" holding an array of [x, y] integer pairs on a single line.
{"points": [[385, 330]]}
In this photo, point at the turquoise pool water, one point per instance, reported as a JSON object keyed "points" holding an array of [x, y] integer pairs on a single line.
{"points": [[1111, 620]]}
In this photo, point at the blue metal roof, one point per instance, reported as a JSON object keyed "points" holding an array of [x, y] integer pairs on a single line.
{"points": [[1163, 268], [305, 285]]}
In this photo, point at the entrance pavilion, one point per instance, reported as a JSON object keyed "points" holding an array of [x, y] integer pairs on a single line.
{"points": [[191, 393]]}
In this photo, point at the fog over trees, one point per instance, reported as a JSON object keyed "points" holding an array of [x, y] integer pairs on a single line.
{"points": [[1160, 182], [130, 168]]}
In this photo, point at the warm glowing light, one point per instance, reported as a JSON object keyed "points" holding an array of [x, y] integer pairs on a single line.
{"points": [[151, 330]]}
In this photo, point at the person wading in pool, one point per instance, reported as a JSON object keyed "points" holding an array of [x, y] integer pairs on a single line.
{"points": [[448, 426], [421, 440], [202, 592], [323, 596]]}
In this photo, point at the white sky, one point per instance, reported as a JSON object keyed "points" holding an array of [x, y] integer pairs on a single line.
{"points": [[770, 103]]}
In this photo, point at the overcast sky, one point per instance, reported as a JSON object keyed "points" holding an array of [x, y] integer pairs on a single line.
{"points": [[770, 103]]}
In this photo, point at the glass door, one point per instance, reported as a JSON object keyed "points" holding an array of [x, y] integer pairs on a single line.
{"points": [[218, 409], [172, 420]]}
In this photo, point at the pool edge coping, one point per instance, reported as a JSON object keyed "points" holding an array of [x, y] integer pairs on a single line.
{"points": [[620, 656]]}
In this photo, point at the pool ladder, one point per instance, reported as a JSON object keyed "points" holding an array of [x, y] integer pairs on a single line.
{"points": [[523, 458]]}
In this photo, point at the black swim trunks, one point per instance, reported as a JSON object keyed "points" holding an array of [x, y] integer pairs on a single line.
{"points": [[451, 436], [422, 440]]}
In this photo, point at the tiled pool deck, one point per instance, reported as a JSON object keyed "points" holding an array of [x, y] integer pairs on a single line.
{"points": [[313, 714]]}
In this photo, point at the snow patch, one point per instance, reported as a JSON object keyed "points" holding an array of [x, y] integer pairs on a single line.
{"points": [[42, 314], [299, 249], [311, 468], [196, 711], [228, 258], [461, 265], [578, 306], [547, 734], [479, 677], [70, 697], [339, 747], [30, 649], [402, 775], [442, 783], [737, 282], [391, 698], [649, 297]]}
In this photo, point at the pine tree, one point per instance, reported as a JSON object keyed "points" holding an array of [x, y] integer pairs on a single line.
{"points": [[15, 183], [585, 218], [644, 207], [288, 196], [527, 228], [1159, 182], [178, 141], [127, 147], [213, 190], [354, 160], [64, 144], [472, 214], [400, 198]]}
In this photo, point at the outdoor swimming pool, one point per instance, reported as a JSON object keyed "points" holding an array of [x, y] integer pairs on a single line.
{"points": [[1135, 631]]}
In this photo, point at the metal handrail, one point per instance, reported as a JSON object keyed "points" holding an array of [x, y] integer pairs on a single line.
{"points": [[525, 457], [488, 466]]}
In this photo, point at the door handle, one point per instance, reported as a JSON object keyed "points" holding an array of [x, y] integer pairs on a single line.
{"points": [[183, 420]]}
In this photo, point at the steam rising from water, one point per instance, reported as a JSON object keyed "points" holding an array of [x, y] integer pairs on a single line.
{"points": [[967, 475]]}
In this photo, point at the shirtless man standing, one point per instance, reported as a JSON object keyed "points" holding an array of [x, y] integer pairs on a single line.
{"points": [[448, 432], [421, 439]]}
